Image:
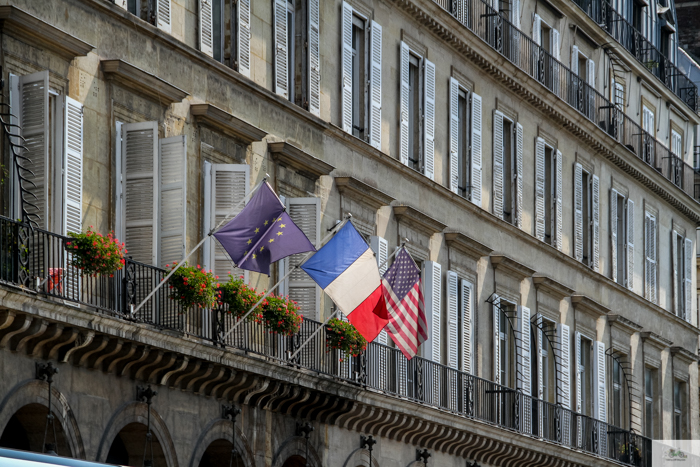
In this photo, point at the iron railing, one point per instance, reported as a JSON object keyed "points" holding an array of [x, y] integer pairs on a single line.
{"points": [[38, 261]]}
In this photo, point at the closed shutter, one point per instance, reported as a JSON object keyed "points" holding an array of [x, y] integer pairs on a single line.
{"points": [[403, 149], [558, 208], [466, 310], [564, 362], [314, 58], [519, 170], [577, 372], [498, 164], [305, 212], [595, 185], [496, 341], [73, 163], [281, 53], [381, 249], [540, 361], [630, 244], [601, 400], [537, 29], [140, 167], [591, 92], [206, 27], [476, 149], [173, 199], [539, 189], [650, 253], [574, 60], [433, 290], [676, 270], [452, 320], [429, 120], [244, 35], [119, 221], [346, 69], [613, 234], [578, 212], [375, 86], [525, 365], [556, 53], [454, 135], [590, 73], [688, 282], [163, 15], [515, 14]]}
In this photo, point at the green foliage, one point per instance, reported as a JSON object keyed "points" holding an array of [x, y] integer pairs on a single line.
{"points": [[279, 314], [239, 296], [343, 336], [193, 287], [94, 254]]}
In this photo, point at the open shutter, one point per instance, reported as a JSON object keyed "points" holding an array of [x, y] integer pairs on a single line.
{"points": [[595, 185], [375, 86], [539, 189], [650, 254], [121, 3], [280, 25], [688, 280], [452, 320], [613, 234], [454, 135], [314, 58], [601, 400], [476, 149], [577, 372], [206, 26], [346, 61], [305, 212], [433, 290], [403, 150], [676, 270], [564, 362], [515, 14], [244, 35], [578, 212], [525, 366], [540, 364], [381, 249], [590, 73], [163, 15], [590, 77], [119, 221], [556, 53], [630, 244], [558, 214], [496, 341], [467, 317], [519, 174], [498, 164], [173, 195], [73, 164], [140, 167], [537, 29], [574, 60], [429, 120]]}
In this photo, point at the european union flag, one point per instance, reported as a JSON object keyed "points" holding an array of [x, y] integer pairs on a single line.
{"points": [[262, 233]]}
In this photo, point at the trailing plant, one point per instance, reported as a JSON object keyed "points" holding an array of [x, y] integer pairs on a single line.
{"points": [[343, 336], [94, 253], [193, 286], [238, 295], [279, 314]]}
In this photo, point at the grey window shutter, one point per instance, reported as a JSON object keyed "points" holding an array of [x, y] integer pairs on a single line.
{"points": [[647, 259], [540, 363], [73, 164], [15, 100], [498, 164], [557, 57], [163, 15], [630, 244], [467, 317], [172, 217], [650, 252], [280, 31], [346, 61], [601, 400], [577, 371], [564, 362], [496, 341], [578, 212], [476, 149], [380, 247], [429, 119], [515, 14], [454, 135], [676, 271], [206, 26], [591, 94], [403, 149], [314, 58], [119, 216], [595, 182], [613, 234], [574, 60], [452, 320], [375, 86], [139, 169], [558, 214], [537, 29], [433, 295], [590, 73], [525, 363], [539, 189], [519, 170], [305, 212], [244, 35], [689, 263]]}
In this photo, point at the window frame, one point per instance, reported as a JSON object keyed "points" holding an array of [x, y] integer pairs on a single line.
{"points": [[360, 91], [464, 159], [415, 97]]}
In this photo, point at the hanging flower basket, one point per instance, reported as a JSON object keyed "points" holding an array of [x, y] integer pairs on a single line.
{"points": [[279, 314], [239, 296], [94, 254], [630, 453], [193, 287], [343, 336]]}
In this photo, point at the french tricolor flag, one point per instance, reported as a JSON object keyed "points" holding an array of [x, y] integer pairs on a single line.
{"points": [[346, 269]]}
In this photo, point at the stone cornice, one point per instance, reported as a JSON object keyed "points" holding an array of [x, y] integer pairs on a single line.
{"points": [[509, 266], [363, 192], [412, 217], [624, 323], [655, 340], [225, 122], [588, 304], [301, 161], [551, 287], [142, 82], [30, 29], [684, 355], [466, 245]]}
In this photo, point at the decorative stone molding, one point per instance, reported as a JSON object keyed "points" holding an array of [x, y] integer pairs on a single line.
{"points": [[291, 156], [509, 266], [363, 192], [142, 82], [585, 303], [655, 340], [624, 323], [226, 123], [466, 245], [551, 287], [417, 220], [684, 355]]}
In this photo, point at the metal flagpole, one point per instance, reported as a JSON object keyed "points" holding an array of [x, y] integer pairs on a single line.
{"points": [[335, 227], [338, 311], [211, 232]]}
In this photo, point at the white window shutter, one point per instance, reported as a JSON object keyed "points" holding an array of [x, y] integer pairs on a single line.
{"points": [[556, 52], [525, 363], [172, 217], [476, 149], [346, 69], [467, 317], [595, 186], [498, 164], [652, 251], [539, 189], [375, 86], [496, 341], [590, 73], [314, 58], [380, 247], [280, 30], [630, 244], [454, 135], [206, 27], [163, 15], [564, 362], [519, 170], [119, 219], [306, 214], [73, 164], [515, 14], [140, 170], [244, 35], [403, 149], [433, 294], [650, 257], [15, 100], [574, 60], [578, 212], [577, 369], [689, 263], [613, 234], [676, 271], [558, 214], [429, 119], [452, 320], [121, 3], [601, 400], [537, 29], [541, 345]]}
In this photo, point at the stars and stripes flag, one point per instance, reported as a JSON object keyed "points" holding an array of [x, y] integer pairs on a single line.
{"points": [[401, 286]]}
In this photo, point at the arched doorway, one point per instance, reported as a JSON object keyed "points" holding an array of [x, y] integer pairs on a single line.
{"points": [[25, 431], [218, 454], [129, 447], [295, 461]]}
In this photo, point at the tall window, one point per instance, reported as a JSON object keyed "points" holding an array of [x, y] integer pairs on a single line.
{"points": [[678, 404], [683, 264], [622, 239], [585, 370], [549, 383], [587, 219], [465, 142], [550, 194], [648, 125], [359, 77], [618, 402], [509, 173], [621, 250], [649, 378], [415, 159], [292, 46], [463, 159]]}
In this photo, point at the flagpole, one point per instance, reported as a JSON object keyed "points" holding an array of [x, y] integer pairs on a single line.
{"points": [[337, 311], [335, 227], [231, 211]]}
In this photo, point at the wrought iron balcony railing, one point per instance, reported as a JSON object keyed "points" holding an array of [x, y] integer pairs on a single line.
{"points": [[38, 262]]}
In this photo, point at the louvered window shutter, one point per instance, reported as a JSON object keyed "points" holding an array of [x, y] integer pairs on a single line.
{"points": [[577, 372], [467, 317], [676, 271], [119, 221], [73, 164], [556, 53], [578, 211], [541, 345], [537, 29], [163, 15], [403, 149], [564, 362], [429, 120], [515, 14], [433, 291], [519, 170], [539, 189], [454, 135], [595, 185], [558, 214], [630, 244], [206, 27], [496, 341], [281, 53], [381, 249], [314, 58], [525, 365], [601, 400], [375, 86], [34, 124], [613, 234], [305, 212], [650, 253], [574, 60], [139, 172], [172, 217], [476, 149], [244, 35], [452, 320], [590, 73], [346, 60], [498, 164], [688, 280], [121, 3]]}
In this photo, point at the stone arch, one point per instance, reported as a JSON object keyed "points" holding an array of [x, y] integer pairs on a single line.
{"points": [[137, 412], [218, 430], [36, 392], [296, 446], [360, 457]]}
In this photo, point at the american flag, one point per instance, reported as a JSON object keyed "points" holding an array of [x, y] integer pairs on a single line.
{"points": [[404, 300]]}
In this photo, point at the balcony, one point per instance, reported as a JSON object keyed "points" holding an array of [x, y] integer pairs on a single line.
{"points": [[491, 26], [37, 262]]}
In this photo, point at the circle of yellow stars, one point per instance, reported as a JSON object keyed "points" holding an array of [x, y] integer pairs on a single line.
{"points": [[257, 230]]}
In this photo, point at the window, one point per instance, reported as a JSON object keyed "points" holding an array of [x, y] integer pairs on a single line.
{"points": [[682, 250], [548, 38], [648, 125], [156, 12], [465, 142], [459, 322], [585, 375], [359, 80], [414, 112], [584, 69], [622, 239], [224, 32], [649, 405], [505, 348], [678, 407], [549, 383], [586, 217], [618, 395], [548, 187], [508, 169], [650, 264], [617, 97], [676, 143], [463, 159]]}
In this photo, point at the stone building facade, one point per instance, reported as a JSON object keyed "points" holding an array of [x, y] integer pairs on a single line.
{"points": [[536, 158]]}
